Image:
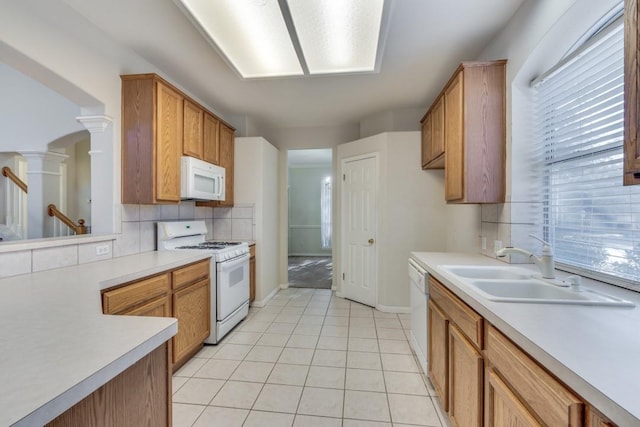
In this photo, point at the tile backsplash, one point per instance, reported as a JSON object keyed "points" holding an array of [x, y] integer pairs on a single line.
{"points": [[138, 235], [510, 224]]}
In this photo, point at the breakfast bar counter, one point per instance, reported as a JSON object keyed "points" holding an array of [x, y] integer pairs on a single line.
{"points": [[58, 347]]}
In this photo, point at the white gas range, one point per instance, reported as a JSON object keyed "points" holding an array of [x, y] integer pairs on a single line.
{"points": [[229, 271]]}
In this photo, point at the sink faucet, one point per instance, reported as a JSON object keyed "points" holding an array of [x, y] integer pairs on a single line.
{"points": [[544, 262]]}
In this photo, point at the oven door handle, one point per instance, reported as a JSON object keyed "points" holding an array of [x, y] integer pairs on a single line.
{"points": [[233, 262]]}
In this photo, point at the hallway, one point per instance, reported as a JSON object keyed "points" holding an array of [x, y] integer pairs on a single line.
{"points": [[310, 272]]}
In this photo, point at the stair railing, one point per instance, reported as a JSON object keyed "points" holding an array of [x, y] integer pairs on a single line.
{"points": [[14, 206], [72, 228]]}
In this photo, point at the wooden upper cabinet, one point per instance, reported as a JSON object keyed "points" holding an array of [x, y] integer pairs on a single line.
{"points": [[433, 136], [193, 139], [426, 141], [467, 135], [437, 132], [631, 96], [160, 124], [151, 140], [475, 134], [454, 140], [211, 149], [227, 139]]}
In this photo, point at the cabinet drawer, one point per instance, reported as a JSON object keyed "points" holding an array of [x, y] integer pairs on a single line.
{"points": [[547, 398], [121, 298], [467, 320], [158, 307], [190, 274]]}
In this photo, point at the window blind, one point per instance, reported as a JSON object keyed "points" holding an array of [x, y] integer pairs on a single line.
{"points": [[590, 218]]}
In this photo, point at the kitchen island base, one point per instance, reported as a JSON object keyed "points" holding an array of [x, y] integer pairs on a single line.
{"points": [[139, 396]]}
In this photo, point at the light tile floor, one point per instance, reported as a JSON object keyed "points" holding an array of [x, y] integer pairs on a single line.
{"points": [[308, 359]]}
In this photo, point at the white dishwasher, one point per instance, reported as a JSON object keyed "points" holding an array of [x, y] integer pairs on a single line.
{"points": [[419, 296]]}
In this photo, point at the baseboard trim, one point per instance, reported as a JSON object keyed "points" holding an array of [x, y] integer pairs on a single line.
{"points": [[261, 303], [284, 286], [393, 308]]}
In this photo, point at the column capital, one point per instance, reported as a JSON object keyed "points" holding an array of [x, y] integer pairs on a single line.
{"points": [[95, 124]]}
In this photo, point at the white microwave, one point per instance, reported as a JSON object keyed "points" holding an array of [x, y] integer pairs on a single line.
{"points": [[200, 180]]}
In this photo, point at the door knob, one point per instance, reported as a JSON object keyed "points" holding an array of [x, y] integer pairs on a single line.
{"points": [[371, 241]]}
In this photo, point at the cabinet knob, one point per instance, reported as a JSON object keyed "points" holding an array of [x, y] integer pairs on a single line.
{"points": [[371, 241]]}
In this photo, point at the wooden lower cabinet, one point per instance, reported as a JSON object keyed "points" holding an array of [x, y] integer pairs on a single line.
{"points": [[465, 380], [547, 399], [191, 308], [438, 352], [159, 307], [183, 293], [596, 419], [484, 379], [139, 396], [502, 407]]}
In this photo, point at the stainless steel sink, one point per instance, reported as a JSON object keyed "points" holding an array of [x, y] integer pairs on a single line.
{"points": [[513, 284]]}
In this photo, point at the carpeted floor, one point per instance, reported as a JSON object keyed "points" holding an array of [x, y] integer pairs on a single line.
{"points": [[310, 272]]}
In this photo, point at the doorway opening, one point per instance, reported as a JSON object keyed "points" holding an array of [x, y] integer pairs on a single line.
{"points": [[310, 189]]}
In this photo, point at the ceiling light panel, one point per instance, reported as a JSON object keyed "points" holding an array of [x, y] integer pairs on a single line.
{"points": [[252, 34], [338, 36]]}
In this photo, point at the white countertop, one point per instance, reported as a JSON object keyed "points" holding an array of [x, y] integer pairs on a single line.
{"points": [[56, 346], [594, 350]]}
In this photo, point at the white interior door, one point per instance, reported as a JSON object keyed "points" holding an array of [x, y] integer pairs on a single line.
{"points": [[359, 228]]}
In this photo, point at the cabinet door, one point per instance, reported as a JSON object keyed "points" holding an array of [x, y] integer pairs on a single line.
{"points": [[192, 144], [437, 133], [437, 352], [426, 140], [503, 408], [548, 399], [191, 306], [157, 308], [226, 161], [595, 419], [465, 381], [168, 144], [122, 298], [631, 96], [454, 139], [211, 150]]}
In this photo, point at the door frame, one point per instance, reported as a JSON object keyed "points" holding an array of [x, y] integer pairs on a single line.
{"points": [[343, 162]]}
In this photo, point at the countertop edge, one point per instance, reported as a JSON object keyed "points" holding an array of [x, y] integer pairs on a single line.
{"points": [[68, 399], [591, 394]]}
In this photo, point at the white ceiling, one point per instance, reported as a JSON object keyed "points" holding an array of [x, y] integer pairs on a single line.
{"points": [[426, 40]]}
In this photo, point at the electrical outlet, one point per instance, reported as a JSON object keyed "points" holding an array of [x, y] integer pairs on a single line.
{"points": [[497, 245], [483, 243], [102, 250]]}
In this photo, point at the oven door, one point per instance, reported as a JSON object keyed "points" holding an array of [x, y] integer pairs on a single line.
{"points": [[232, 283]]}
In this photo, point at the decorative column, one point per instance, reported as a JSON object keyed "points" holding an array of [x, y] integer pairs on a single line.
{"points": [[104, 177], [43, 178]]}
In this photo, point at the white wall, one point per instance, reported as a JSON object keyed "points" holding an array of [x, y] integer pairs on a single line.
{"points": [[407, 119], [305, 185], [412, 214], [536, 38], [293, 139], [256, 182], [31, 114]]}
